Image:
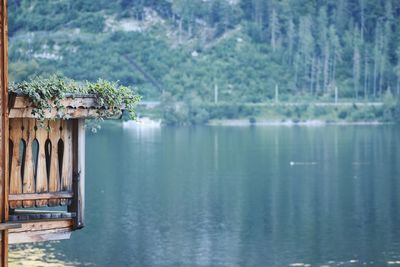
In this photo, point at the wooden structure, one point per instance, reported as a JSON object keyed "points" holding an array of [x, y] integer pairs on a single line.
{"points": [[4, 226], [46, 166]]}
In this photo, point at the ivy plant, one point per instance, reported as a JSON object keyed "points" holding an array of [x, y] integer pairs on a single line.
{"points": [[47, 93]]}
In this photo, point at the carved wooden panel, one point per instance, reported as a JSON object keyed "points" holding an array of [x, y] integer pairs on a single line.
{"points": [[40, 162]]}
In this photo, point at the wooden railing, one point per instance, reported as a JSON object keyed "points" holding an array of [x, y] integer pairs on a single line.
{"points": [[40, 163], [46, 169]]}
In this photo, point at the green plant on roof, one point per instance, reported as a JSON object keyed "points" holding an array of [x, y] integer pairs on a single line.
{"points": [[47, 93]]}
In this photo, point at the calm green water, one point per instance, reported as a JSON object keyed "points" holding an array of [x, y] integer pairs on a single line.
{"points": [[239, 196]]}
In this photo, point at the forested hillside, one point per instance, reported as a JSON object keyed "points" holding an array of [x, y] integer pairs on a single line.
{"points": [[187, 50]]}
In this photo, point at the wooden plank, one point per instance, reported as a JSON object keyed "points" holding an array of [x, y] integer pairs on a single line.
{"points": [[78, 167], [40, 216], [40, 236], [69, 113], [80, 214], [7, 226], [15, 184], [43, 225], [41, 196], [66, 171], [54, 176], [29, 134], [87, 101], [41, 171], [4, 249], [4, 140], [21, 113], [41, 231], [37, 211]]}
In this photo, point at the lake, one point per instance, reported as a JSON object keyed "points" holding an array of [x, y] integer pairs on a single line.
{"points": [[236, 196]]}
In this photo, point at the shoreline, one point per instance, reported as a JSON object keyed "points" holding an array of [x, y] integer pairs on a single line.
{"points": [[146, 122], [289, 123]]}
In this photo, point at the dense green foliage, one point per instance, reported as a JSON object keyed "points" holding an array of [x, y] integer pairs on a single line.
{"points": [[47, 93], [180, 51]]}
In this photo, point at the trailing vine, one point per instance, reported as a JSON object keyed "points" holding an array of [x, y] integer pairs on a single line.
{"points": [[47, 93]]}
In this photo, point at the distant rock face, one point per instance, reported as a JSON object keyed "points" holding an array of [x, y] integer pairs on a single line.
{"points": [[150, 19], [49, 56]]}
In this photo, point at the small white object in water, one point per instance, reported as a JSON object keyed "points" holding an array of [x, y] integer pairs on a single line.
{"points": [[302, 163], [195, 54], [142, 123]]}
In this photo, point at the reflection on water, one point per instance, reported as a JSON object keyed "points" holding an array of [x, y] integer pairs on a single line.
{"points": [[268, 196], [39, 255]]}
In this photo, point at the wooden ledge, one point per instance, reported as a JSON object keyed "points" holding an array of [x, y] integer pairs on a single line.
{"points": [[7, 226], [37, 196], [41, 231], [76, 106]]}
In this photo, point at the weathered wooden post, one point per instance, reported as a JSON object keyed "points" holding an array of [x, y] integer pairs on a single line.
{"points": [[4, 132], [4, 226]]}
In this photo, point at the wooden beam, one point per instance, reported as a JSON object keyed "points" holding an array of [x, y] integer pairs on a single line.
{"points": [[7, 226], [29, 211], [41, 231], [42, 225], [75, 107], [78, 172], [38, 196], [83, 101], [40, 236], [41, 216], [69, 112], [4, 130]]}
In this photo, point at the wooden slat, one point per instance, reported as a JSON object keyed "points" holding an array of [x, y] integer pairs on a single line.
{"points": [[75, 107], [54, 176], [43, 216], [66, 172], [88, 101], [41, 171], [4, 138], [41, 231], [42, 225], [70, 113], [15, 184], [41, 196], [21, 113], [78, 165], [80, 191], [7, 226], [40, 211], [29, 135], [40, 236]]}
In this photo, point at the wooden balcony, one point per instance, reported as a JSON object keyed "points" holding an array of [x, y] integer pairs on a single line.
{"points": [[46, 170]]}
